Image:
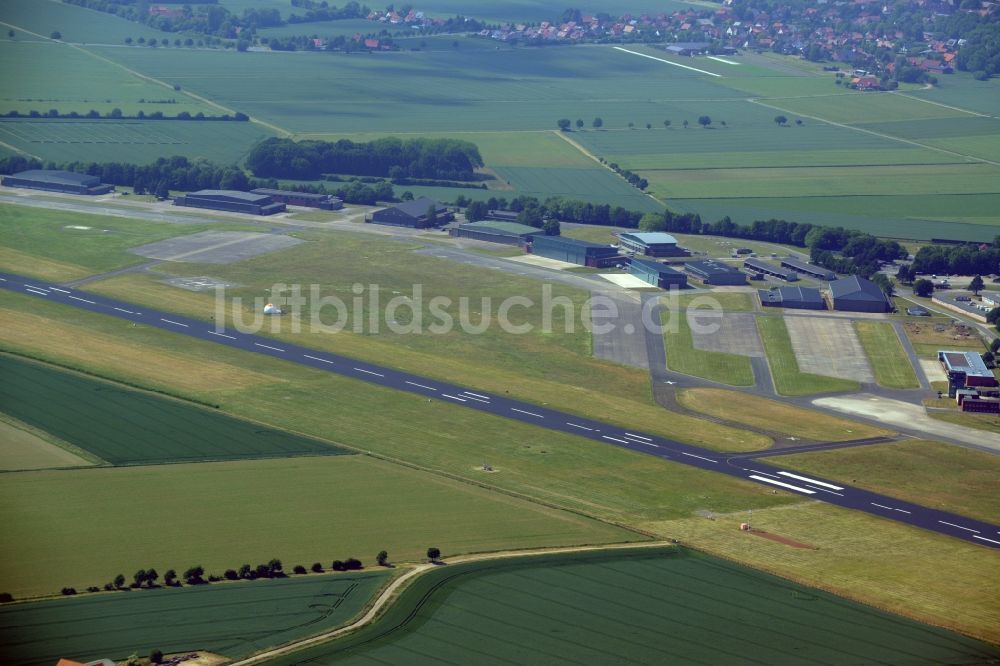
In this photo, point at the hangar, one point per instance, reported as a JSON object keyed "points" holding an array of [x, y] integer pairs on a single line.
{"points": [[230, 200], [811, 270], [654, 244], [855, 294], [508, 233], [57, 181], [714, 272], [575, 251], [657, 274], [307, 199], [758, 266], [966, 369], [803, 298], [412, 214]]}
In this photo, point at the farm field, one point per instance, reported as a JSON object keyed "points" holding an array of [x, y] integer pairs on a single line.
{"points": [[888, 359], [77, 25], [46, 75], [773, 415], [127, 427], [232, 619], [934, 474], [682, 356], [23, 447], [642, 606], [788, 379], [135, 141]]}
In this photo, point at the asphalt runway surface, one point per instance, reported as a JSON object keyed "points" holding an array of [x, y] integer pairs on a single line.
{"points": [[825, 490]]}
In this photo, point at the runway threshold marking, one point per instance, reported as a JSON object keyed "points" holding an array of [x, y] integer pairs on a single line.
{"points": [[484, 397], [812, 481], [429, 388], [65, 291], [36, 291], [782, 484], [515, 409], [967, 529], [453, 397], [615, 439], [317, 358], [648, 439], [472, 397]]}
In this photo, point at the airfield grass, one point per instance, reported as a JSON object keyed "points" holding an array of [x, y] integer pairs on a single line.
{"points": [[24, 447], [129, 427], [46, 75], [33, 234], [773, 415], [224, 619], [988, 422], [888, 359], [788, 379], [639, 606], [933, 474], [563, 471], [132, 141], [878, 562], [683, 356]]}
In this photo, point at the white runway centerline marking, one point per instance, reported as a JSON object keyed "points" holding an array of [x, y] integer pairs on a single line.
{"points": [[718, 59], [976, 536], [65, 291], [620, 441], [453, 397], [77, 298], [471, 397], [669, 62], [808, 480], [277, 349], [429, 388], [317, 358], [881, 506], [648, 439], [484, 397], [515, 409], [782, 484], [175, 323], [701, 457], [369, 372], [223, 335], [577, 425], [36, 291], [124, 310], [967, 529], [757, 471]]}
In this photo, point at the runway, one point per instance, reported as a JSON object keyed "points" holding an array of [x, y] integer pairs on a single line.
{"points": [[825, 490]]}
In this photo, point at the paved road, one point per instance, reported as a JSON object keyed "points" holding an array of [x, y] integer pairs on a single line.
{"points": [[968, 529]]}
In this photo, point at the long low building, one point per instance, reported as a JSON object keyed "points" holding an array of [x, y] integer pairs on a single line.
{"points": [[651, 244], [855, 294], [306, 199], [716, 273], [50, 180], [801, 298], [758, 266], [232, 201], [813, 271], [575, 251], [657, 274], [507, 233], [414, 214], [966, 369]]}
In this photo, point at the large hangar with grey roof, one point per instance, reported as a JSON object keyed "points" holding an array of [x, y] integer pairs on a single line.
{"points": [[52, 180], [232, 201], [651, 244]]}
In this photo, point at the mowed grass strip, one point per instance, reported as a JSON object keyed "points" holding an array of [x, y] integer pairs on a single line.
{"points": [[934, 474], [642, 607], [224, 618], [82, 527], [788, 379], [682, 356], [773, 415], [124, 426], [888, 359]]}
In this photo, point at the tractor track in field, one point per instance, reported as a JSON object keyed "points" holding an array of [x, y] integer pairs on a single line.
{"points": [[393, 590]]}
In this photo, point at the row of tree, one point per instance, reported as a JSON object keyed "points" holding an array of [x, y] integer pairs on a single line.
{"points": [[959, 259], [118, 114], [448, 159]]}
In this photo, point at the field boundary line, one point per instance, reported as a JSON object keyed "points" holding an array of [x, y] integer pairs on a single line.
{"points": [[205, 100], [669, 62], [562, 135], [971, 158], [945, 106], [395, 588]]}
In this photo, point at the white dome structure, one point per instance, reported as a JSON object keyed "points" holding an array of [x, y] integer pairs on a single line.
{"points": [[272, 309]]}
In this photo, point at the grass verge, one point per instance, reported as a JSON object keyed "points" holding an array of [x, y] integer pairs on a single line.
{"points": [[682, 356], [888, 359], [788, 380]]}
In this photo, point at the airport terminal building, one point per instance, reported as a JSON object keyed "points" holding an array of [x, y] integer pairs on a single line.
{"points": [[232, 201], [49, 180]]}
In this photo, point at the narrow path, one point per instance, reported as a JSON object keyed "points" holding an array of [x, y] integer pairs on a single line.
{"points": [[393, 590], [911, 353], [821, 446], [138, 268]]}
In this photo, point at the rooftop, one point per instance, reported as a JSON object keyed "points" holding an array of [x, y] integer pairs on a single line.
{"points": [[971, 363], [651, 238], [562, 240], [806, 267], [769, 267], [61, 177], [418, 207], [249, 197], [287, 193], [857, 288], [790, 294], [663, 269], [512, 228], [711, 267]]}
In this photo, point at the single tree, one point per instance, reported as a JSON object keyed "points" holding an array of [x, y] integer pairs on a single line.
{"points": [[161, 190], [156, 657], [992, 317], [317, 567], [649, 125], [128, 40], [923, 287], [551, 227], [477, 210], [598, 123], [563, 124], [704, 121], [275, 567], [338, 565], [579, 123], [10, 33], [194, 575], [722, 122], [976, 285], [120, 581], [170, 578], [55, 34], [263, 571], [685, 123], [798, 121], [299, 569], [151, 577], [382, 558], [631, 125], [353, 564], [780, 120], [885, 283], [433, 554], [666, 123], [67, 591]]}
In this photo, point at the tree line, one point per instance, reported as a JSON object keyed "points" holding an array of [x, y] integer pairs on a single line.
{"points": [[448, 159], [118, 114], [969, 259]]}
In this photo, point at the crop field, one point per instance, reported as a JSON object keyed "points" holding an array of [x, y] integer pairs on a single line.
{"points": [[82, 527], [889, 361], [788, 379], [962, 90], [75, 23], [234, 620], [23, 447], [123, 426], [598, 185], [641, 606], [134, 141], [44, 75]]}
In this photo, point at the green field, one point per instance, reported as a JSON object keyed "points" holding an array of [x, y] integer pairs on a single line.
{"points": [[889, 361], [682, 356], [788, 380], [82, 527], [638, 607], [127, 427], [942, 476], [134, 141], [598, 185], [234, 620], [75, 23]]}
